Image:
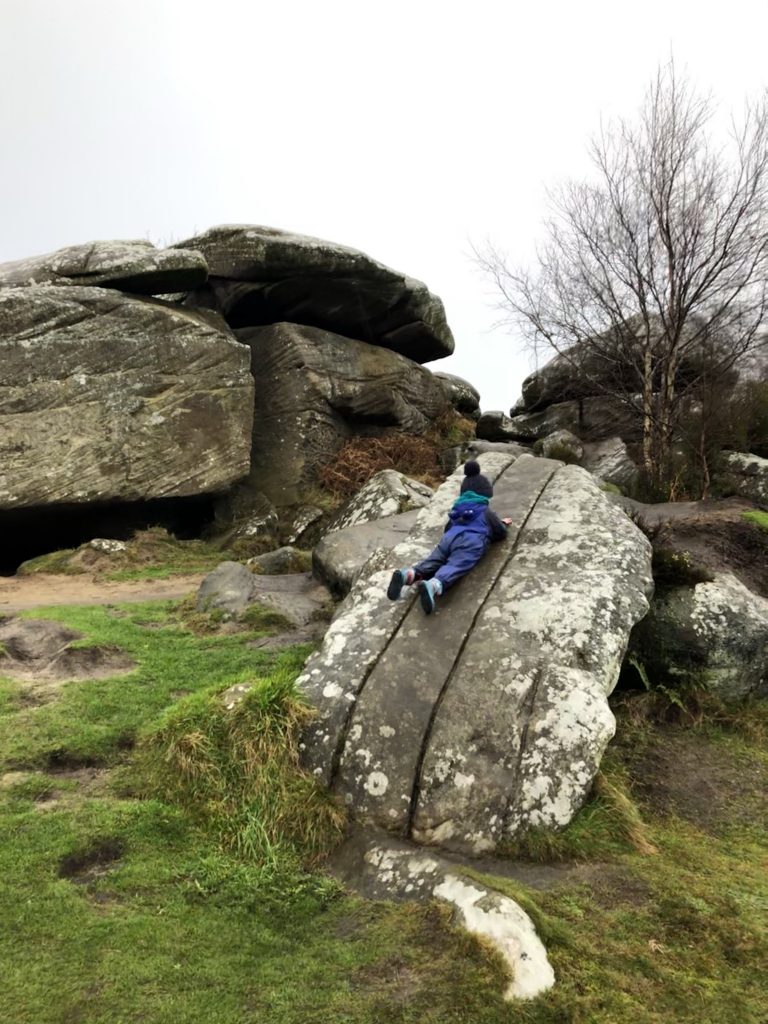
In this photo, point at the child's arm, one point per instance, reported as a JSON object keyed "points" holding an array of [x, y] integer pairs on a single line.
{"points": [[498, 526]]}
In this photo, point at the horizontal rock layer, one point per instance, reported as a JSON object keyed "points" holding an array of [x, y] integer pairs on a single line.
{"points": [[132, 266], [107, 397], [262, 275]]}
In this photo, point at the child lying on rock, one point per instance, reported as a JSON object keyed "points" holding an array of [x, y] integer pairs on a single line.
{"points": [[472, 525]]}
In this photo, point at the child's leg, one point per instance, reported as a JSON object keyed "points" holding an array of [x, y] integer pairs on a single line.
{"points": [[421, 571], [427, 567], [466, 551]]}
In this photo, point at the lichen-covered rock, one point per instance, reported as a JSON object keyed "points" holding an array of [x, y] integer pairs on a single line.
{"points": [[562, 444], [107, 397], [226, 588], [609, 461], [261, 275], [747, 476], [381, 868], [491, 716], [315, 391], [132, 266], [464, 397], [386, 494], [340, 556], [231, 587], [715, 634]]}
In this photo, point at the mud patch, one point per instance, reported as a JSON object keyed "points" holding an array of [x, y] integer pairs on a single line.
{"points": [[686, 774], [391, 979], [85, 866], [714, 535], [44, 654]]}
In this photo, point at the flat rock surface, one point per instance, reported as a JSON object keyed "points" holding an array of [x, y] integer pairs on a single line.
{"points": [[491, 716], [132, 266], [107, 397], [340, 555]]}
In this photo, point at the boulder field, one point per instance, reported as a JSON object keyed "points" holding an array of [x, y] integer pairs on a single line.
{"points": [[110, 395]]}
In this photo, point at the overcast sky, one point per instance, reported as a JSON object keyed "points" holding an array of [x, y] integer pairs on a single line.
{"points": [[406, 129]]}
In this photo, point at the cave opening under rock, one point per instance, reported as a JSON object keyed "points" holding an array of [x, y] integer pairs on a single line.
{"points": [[30, 532]]}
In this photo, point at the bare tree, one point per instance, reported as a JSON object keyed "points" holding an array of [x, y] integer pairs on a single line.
{"points": [[657, 262]]}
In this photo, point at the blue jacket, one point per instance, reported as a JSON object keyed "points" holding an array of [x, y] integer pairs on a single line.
{"points": [[471, 512]]}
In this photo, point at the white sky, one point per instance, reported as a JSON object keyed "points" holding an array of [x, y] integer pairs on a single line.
{"points": [[406, 129]]}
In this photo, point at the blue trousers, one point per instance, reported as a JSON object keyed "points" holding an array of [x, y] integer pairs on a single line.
{"points": [[457, 553]]}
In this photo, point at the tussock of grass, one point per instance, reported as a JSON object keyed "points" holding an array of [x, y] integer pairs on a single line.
{"points": [[238, 768], [694, 706], [757, 517], [677, 569], [609, 824], [53, 562]]}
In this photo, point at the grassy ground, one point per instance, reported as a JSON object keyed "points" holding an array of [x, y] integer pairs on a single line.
{"points": [[127, 892]]}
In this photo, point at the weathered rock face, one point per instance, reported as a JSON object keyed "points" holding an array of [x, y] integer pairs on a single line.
{"points": [[714, 633], [340, 556], [592, 419], [747, 476], [262, 276], [561, 445], [106, 397], [386, 494], [315, 390], [464, 397], [231, 587], [134, 266], [609, 461], [490, 716]]}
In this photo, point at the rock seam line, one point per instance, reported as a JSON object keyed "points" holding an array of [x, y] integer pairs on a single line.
{"points": [[416, 792], [344, 732]]}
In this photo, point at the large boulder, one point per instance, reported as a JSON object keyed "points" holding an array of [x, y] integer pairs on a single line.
{"points": [[132, 266], [591, 419], [610, 461], [262, 275], [746, 475], [464, 397], [561, 445], [715, 634], [107, 397], [491, 716], [386, 494], [315, 390], [340, 556]]}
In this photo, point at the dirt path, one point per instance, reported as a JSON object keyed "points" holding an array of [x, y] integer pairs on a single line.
{"points": [[18, 593]]}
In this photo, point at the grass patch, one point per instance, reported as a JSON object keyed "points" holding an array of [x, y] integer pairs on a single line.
{"points": [[238, 769], [94, 721], [756, 517], [177, 893], [150, 554]]}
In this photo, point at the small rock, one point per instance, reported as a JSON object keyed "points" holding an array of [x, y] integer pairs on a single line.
{"points": [[561, 445]]}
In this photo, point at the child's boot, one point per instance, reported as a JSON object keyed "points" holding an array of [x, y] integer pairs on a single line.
{"points": [[400, 578], [428, 591]]}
